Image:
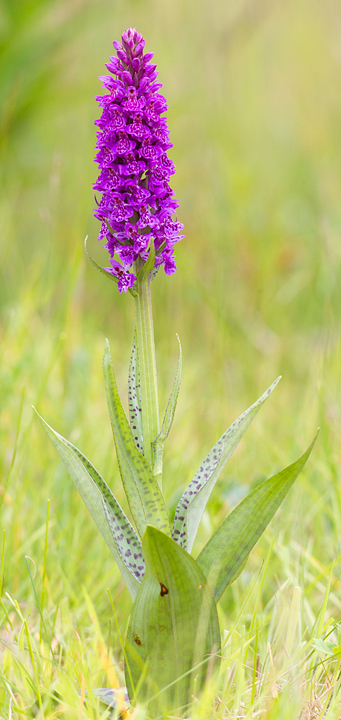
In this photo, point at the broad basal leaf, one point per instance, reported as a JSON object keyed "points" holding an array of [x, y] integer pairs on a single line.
{"points": [[158, 443], [108, 515], [173, 627], [222, 558], [143, 493], [193, 501], [134, 398]]}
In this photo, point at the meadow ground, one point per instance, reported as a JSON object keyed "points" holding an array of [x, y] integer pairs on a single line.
{"points": [[254, 100]]}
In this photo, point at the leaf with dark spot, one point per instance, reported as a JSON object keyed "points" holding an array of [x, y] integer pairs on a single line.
{"points": [[193, 501], [223, 557], [134, 398], [142, 490], [103, 506], [179, 631]]}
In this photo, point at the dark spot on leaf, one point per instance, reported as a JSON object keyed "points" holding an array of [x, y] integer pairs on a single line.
{"points": [[200, 586], [137, 639], [164, 590]]}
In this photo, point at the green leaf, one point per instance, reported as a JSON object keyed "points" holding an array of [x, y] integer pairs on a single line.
{"points": [[323, 646], [109, 517], [173, 627], [104, 271], [154, 272], [221, 559], [134, 398], [143, 493], [158, 443], [149, 264], [193, 501]]}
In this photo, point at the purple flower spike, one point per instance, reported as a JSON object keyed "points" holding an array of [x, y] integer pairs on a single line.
{"points": [[137, 203]]}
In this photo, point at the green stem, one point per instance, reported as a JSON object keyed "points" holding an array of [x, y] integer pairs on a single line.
{"points": [[146, 358]]}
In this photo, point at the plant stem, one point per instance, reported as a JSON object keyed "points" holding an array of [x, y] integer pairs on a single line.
{"points": [[146, 359]]}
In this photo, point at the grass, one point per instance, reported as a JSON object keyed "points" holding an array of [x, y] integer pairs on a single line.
{"points": [[254, 112]]}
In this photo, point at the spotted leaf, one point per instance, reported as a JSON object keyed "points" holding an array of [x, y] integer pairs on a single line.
{"points": [[142, 490], [127, 542], [134, 398], [173, 633], [222, 559], [109, 517], [193, 501]]}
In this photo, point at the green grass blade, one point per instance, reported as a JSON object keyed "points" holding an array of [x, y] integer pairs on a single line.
{"points": [[173, 626], [40, 609], [158, 443], [193, 501], [143, 493], [43, 589], [221, 559], [134, 398], [5, 482], [2, 561], [108, 515]]}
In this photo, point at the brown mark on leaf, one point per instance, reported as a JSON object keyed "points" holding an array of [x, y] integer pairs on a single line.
{"points": [[200, 586], [164, 590], [137, 639]]}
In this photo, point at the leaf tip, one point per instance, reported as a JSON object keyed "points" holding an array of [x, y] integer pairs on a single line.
{"points": [[107, 353], [275, 382], [272, 386], [316, 435]]}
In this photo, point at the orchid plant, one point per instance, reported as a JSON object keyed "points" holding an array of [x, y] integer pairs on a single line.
{"points": [[173, 633]]}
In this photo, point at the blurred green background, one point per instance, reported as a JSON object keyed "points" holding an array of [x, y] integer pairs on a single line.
{"points": [[254, 98]]}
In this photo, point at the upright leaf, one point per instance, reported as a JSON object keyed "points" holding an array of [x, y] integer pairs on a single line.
{"points": [[143, 493], [158, 443], [108, 515], [193, 501], [134, 398], [149, 264], [222, 558], [173, 627]]}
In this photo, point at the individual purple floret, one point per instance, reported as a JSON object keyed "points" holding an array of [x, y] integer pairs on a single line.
{"points": [[137, 203]]}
